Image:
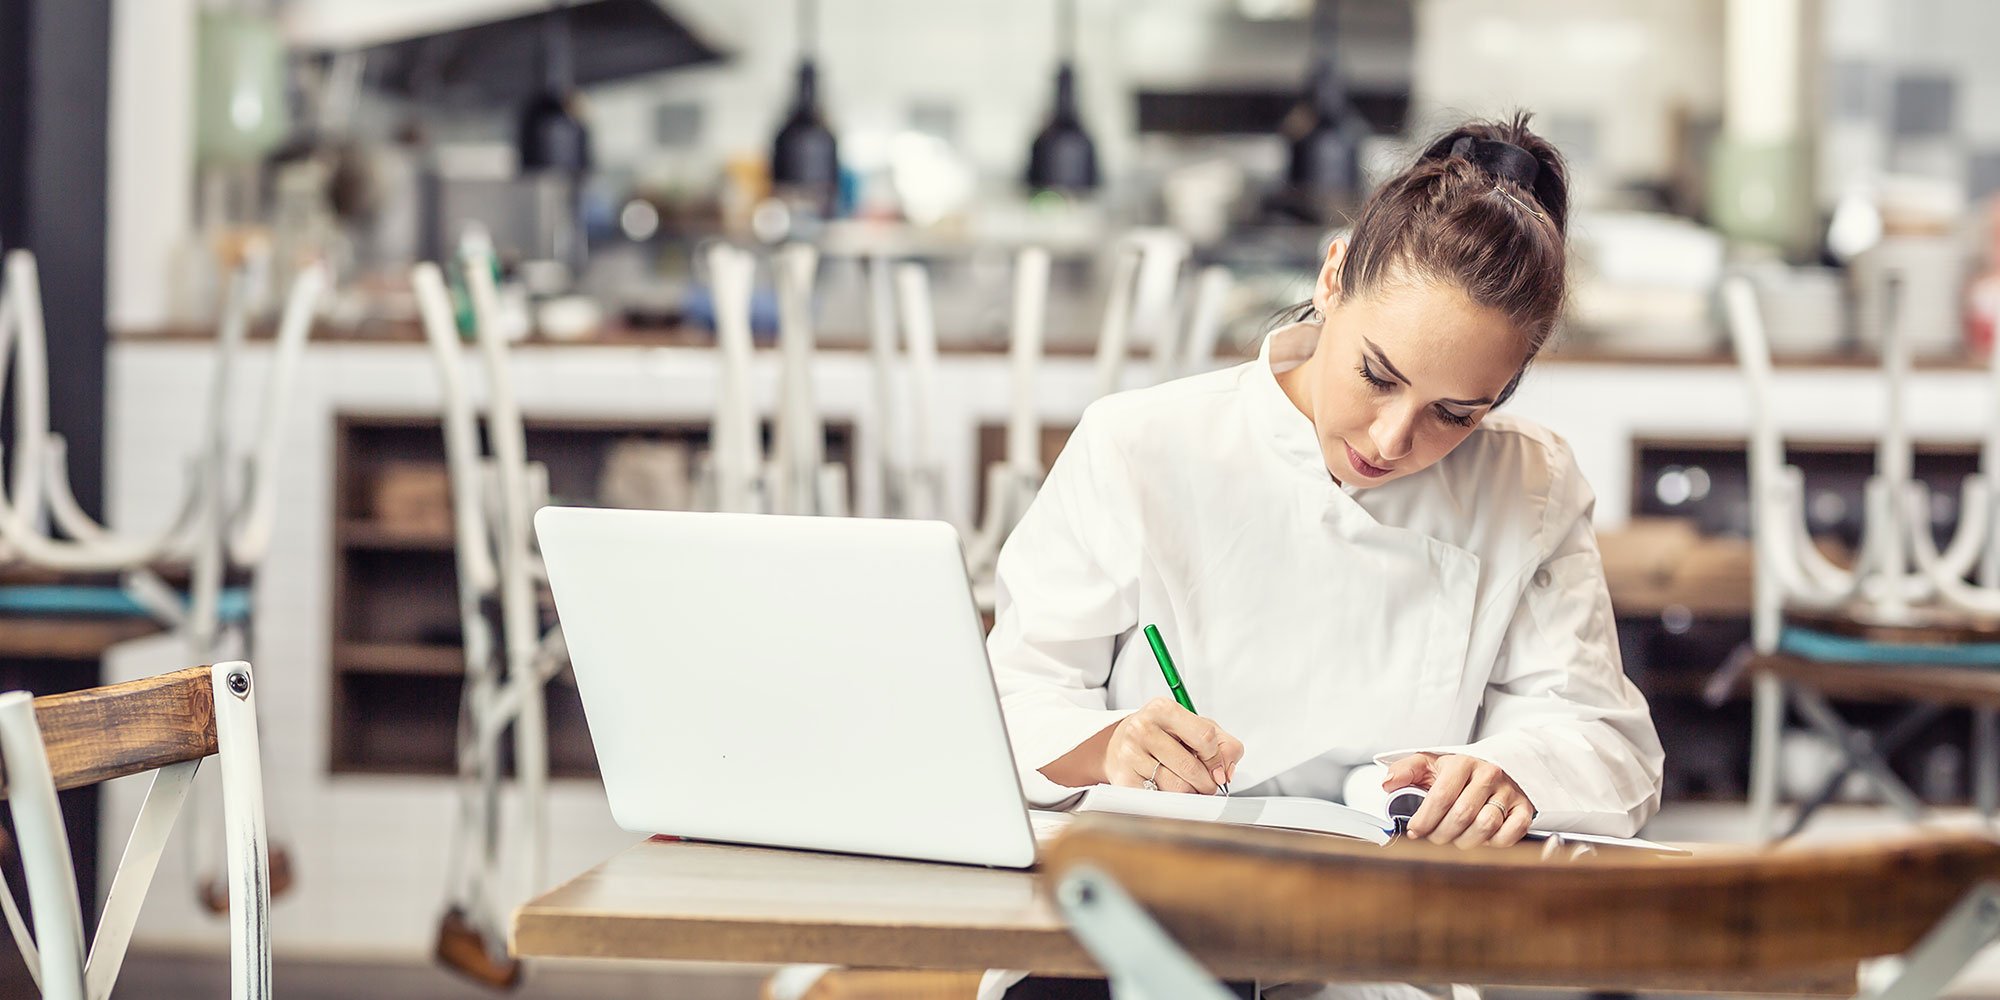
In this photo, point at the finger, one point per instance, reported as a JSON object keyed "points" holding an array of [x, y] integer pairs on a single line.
{"points": [[1178, 760], [1127, 773], [1230, 755], [1487, 823], [1199, 734], [1471, 802], [1519, 819], [1140, 765], [1412, 770], [1448, 778], [1168, 781]]}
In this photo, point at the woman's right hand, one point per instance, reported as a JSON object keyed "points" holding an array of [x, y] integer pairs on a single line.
{"points": [[1175, 748]]}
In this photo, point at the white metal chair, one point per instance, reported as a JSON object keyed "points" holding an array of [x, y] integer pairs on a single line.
{"points": [[226, 514], [509, 656], [1898, 571], [917, 480], [731, 476], [166, 724], [1205, 316], [805, 482], [214, 531], [1011, 483]]}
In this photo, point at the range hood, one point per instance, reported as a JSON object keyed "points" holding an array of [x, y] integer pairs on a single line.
{"points": [[485, 53]]}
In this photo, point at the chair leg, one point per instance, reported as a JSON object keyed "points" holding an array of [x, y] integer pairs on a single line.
{"points": [[1866, 754], [1986, 761], [44, 847], [1812, 805], [1142, 962], [243, 828], [1767, 720], [1926, 969]]}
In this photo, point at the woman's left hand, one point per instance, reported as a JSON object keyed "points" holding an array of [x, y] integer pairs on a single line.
{"points": [[1470, 802]]}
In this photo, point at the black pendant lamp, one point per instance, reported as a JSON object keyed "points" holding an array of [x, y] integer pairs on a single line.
{"points": [[1326, 140], [552, 137], [1063, 158], [804, 157]]}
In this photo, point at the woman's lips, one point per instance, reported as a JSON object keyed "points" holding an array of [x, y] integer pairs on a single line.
{"points": [[1361, 465]]}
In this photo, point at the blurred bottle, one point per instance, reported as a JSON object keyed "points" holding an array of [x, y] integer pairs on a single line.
{"points": [[240, 110]]}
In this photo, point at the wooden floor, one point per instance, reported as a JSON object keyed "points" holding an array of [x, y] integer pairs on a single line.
{"points": [[158, 976]]}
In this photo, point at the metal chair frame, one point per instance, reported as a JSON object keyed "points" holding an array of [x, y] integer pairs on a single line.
{"points": [[227, 513], [1144, 962], [509, 657], [55, 953], [1898, 568]]}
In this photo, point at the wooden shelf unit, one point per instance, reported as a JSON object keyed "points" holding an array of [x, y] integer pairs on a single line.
{"points": [[398, 666]]}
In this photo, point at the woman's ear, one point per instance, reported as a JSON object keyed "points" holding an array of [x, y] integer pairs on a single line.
{"points": [[1326, 291]]}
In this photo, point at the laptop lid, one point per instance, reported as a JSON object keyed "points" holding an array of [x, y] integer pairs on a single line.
{"points": [[807, 682]]}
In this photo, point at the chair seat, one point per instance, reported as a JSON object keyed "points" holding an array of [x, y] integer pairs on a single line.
{"points": [[100, 599], [1813, 644]]}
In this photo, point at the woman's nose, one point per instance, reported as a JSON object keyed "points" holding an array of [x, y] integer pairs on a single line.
{"points": [[1394, 432]]}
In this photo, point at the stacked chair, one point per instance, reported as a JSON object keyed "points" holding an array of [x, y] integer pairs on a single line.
{"points": [[1903, 625], [195, 576], [511, 650]]}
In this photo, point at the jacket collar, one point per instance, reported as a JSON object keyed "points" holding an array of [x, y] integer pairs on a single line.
{"points": [[1276, 418]]}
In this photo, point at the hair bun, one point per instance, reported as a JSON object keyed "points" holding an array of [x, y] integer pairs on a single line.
{"points": [[1500, 158]]}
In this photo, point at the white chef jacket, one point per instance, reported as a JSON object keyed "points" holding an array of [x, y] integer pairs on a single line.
{"points": [[1461, 609]]}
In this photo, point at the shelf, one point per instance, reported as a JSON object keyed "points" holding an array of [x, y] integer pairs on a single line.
{"points": [[399, 659], [366, 534]]}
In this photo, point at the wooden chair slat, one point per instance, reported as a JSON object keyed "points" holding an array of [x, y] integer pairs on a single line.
{"points": [[1971, 687], [109, 732], [1298, 907]]}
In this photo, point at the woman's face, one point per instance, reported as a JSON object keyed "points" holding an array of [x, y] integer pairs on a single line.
{"points": [[1401, 375]]}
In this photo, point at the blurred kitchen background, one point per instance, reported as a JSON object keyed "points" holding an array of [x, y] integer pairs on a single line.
{"points": [[1828, 149]]}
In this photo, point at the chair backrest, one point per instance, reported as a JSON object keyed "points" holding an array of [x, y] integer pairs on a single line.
{"points": [[166, 724], [1271, 904]]}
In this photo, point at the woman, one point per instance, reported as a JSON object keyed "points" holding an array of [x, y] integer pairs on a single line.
{"points": [[1352, 558]]}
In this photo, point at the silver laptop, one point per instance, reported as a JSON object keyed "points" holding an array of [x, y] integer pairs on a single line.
{"points": [[808, 682]]}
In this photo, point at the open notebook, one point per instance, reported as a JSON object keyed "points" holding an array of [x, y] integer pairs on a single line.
{"points": [[1293, 813]]}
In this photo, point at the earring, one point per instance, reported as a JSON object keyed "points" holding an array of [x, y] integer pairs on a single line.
{"points": [[1313, 315]]}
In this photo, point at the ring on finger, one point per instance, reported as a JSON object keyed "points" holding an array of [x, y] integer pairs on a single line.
{"points": [[1149, 784]]}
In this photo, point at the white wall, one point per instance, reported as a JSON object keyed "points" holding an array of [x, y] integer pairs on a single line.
{"points": [[1606, 78], [150, 177]]}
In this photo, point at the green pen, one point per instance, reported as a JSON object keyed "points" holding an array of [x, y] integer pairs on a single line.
{"points": [[1173, 676]]}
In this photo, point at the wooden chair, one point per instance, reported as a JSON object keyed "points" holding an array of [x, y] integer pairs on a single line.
{"points": [[166, 724], [1156, 903]]}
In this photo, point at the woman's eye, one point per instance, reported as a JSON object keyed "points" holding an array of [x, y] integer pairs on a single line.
{"points": [[1369, 375], [1461, 419]]}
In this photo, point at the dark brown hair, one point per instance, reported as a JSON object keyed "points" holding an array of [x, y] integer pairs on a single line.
{"points": [[1484, 209]]}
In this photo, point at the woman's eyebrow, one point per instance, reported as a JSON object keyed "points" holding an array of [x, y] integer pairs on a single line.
{"points": [[1384, 359], [1376, 352]]}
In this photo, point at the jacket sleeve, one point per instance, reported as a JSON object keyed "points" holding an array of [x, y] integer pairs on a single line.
{"points": [[1559, 715], [1066, 590]]}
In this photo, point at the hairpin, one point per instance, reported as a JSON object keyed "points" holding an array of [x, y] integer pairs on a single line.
{"points": [[1509, 195]]}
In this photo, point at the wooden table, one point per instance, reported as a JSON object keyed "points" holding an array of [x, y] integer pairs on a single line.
{"points": [[667, 899], [1262, 903]]}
